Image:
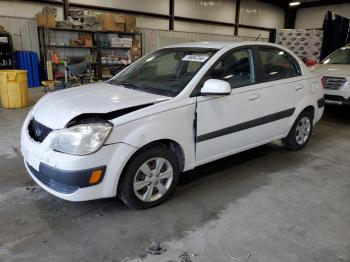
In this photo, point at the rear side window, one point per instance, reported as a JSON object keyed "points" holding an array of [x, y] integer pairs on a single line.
{"points": [[277, 64]]}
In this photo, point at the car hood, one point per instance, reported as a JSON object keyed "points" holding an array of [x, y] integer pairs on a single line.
{"points": [[56, 109], [332, 70]]}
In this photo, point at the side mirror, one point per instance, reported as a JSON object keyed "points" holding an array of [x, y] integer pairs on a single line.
{"points": [[216, 87]]}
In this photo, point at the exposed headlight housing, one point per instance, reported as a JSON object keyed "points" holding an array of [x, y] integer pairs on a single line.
{"points": [[81, 139]]}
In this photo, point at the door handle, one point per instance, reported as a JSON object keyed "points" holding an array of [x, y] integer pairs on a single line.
{"points": [[254, 96], [298, 87]]}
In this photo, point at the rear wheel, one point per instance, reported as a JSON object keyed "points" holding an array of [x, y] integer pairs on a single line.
{"points": [[300, 132], [150, 178]]}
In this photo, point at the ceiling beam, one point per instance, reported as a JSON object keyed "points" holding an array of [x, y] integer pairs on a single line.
{"points": [[279, 3], [203, 21], [290, 17], [46, 2], [118, 10], [237, 14], [321, 3], [172, 14], [65, 9]]}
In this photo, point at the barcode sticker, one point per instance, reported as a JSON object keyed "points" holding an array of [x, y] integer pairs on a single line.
{"points": [[195, 58]]}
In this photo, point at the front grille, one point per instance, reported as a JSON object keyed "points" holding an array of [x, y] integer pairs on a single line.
{"points": [[55, 185], [334, 83], [38, 131]]}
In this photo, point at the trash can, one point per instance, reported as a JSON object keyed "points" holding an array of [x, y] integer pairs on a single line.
{"points": [[13, 88]]}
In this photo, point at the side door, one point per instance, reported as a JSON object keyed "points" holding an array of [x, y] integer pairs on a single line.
{"points": [[227, 124], [282, 86]]}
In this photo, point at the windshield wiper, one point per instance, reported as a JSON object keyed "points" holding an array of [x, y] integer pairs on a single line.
{"points": [[144, 88], [157, 91], [126, 84]]}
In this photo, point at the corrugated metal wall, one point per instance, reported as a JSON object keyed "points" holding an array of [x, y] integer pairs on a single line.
{"points": [[312, 17], [25, 36], [23, 31], [153, 39]]}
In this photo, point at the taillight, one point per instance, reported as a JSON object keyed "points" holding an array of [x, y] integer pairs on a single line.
{"points": [[323, 82]]}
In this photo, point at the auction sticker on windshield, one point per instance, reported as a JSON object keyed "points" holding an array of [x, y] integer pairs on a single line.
{"points": [[195, 58]]}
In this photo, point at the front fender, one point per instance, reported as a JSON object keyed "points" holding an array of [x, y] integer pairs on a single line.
{"points": [[175, 124]]}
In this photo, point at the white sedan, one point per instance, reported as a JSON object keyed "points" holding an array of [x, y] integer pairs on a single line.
{"points": [[175, 109]]}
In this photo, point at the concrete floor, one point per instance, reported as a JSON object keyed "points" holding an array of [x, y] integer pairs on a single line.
{"points": [[263, 205]]}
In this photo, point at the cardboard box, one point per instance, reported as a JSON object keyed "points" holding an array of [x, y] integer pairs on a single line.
{"points": [[112, 22], [40, 19], [45, 20], [119, 23], [107, 22], [83, 35], [85, 39], [136, 43], [130, 23], [135, 51], [51, 21], [87, 42]]}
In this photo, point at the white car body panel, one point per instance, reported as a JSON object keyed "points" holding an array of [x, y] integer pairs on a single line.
{"points": [[332, 70], [340, 95], [221, 112], [175, 124], [168, 118], [92, 98], [335, 71]]}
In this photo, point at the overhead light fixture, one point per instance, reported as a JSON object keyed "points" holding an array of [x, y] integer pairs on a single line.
{"points": [[294, 3]]}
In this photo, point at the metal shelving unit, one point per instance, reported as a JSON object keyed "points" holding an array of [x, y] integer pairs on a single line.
{"points": [[6, 51], [45, 44], [72, 46], [114, 67]]}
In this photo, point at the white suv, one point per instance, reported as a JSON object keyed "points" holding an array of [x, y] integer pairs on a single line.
{"points": [[177, 108], [336, 71]]}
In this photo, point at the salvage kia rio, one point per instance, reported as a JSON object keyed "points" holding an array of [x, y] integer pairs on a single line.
{"points": [[175, 109]]}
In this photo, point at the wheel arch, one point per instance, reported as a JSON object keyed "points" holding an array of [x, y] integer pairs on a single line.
{"points": [[290, 139], [168, 143], [307, 103], [309, 108], [300, 109]]}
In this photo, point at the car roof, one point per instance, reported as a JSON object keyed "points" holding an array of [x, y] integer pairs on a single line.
{"points": [[221, 44]]}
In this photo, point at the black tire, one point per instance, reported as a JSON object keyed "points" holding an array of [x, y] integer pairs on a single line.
{"points": [[126, 187], [290, 141]]}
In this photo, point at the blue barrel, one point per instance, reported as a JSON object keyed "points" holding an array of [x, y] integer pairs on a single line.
{"points": [[28, 60]]}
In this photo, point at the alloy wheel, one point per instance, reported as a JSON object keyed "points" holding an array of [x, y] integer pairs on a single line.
{"points": [[153, 179], [303, 130]]}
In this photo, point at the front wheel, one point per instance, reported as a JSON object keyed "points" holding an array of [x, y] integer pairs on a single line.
{"points": [[300, 132], [150, 178]]}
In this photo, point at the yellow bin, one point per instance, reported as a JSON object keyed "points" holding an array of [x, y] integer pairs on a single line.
{"points": [[13, 88]]}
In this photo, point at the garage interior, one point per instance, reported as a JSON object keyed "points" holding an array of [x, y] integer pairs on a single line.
{"points": [[264, 204]]}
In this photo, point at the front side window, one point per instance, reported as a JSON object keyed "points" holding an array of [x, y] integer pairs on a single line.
{"points": [[276, 64], [164, 72], [341, 57], [237, 68]]}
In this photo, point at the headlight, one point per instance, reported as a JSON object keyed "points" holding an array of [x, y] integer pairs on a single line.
{"points": [[81, 139]]}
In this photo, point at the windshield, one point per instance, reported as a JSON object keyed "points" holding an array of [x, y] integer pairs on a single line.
{"points": [[164, 72], [341, 56]]}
